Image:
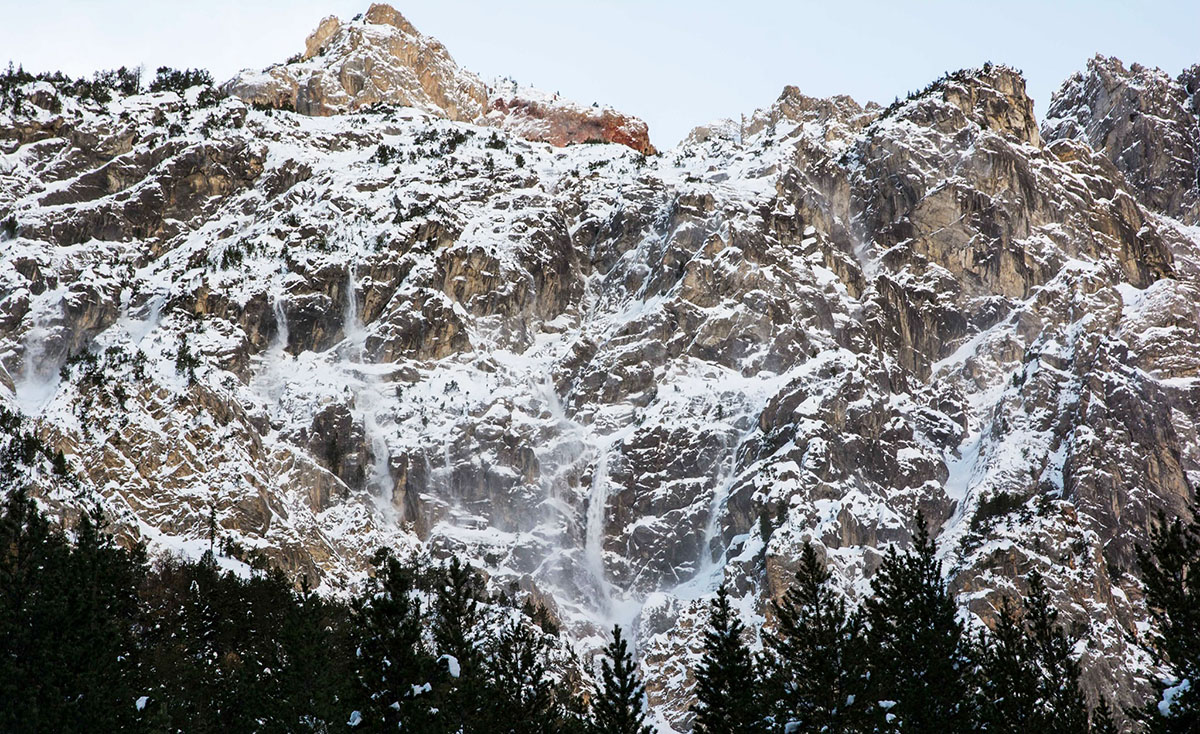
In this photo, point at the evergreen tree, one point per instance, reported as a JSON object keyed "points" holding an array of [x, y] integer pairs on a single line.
{"points": [[918, 667], [618, 707], [394, 668], [32, 558], [1064, 708], [102, 580], [1029, 678], [1102, 720], [727, 679], [1171, 578], [817, 664], [521, 698], [67, 617], [217, 646], [1008, 685], [313, 685], [455, 632]]}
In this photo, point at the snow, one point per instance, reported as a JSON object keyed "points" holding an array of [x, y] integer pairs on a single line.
{"points": [[440, 421]]}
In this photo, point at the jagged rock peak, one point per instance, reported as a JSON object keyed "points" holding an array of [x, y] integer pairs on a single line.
{"points": [[380, 57], [834, 117], [798, 107], [992, 96], [1144, 121]]}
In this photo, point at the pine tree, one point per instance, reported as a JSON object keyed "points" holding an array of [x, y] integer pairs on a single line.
{"points": [[918, 667], [1171, 578], [101, 583], [520, 697], [215, 646], [457, 617], [1102, 720], [394, 668], [817, 663], [618, 707], [457, 614], [30, 552], [727, 689], [1029, 678], [313, 686], [67, 617], [1008, 685], [1063, 707]]}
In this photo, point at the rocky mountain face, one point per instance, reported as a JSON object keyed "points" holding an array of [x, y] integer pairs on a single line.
{"points": [[612, 380], [379, 58], [1144, 121]]}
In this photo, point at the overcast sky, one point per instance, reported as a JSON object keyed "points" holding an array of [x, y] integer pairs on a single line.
{"points": [[675, 64]]}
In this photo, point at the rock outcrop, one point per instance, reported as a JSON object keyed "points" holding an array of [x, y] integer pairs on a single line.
{"points": [[535, 115], [1145, 122], [380, 58], [376, 58]]}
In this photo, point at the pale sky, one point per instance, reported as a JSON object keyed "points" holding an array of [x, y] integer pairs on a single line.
{"points": [[675, 64]]}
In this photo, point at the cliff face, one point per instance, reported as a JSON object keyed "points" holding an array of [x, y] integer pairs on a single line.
{"points": [[380, 58], [1146, 122], [612, 380]]}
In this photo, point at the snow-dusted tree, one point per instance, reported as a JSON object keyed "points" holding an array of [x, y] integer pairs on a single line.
{"points": [[1171, 577], [67, 617], [455, 632], [918, 668], [1102, 718], [1064, 708], [728, 694], [619, 706], [394, 668], [1008, 690], [521, 697], [1029, 679], [816, 661]]}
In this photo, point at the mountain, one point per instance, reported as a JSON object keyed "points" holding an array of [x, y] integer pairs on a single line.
{"points": [[420, 311], [380, 58]]}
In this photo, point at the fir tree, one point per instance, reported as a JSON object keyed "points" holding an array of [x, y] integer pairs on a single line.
{"points": [[1171, 578], [618, 707], [520, 697], [1029, 678], [217, 648], [457, 614], [102, 580], [394, 668], [1064, 708], [817, 664], [1008, 686], [726, 681], [918, 671], [1102, 719], [314, 683], [67, 621], [457, 618]]}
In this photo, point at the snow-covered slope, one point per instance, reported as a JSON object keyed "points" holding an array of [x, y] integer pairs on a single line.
{"points": [[612, 380]]}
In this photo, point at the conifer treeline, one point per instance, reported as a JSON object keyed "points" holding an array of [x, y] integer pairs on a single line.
{"points": [[904, 662], [93, 638]]}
